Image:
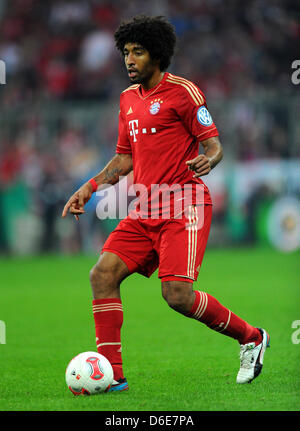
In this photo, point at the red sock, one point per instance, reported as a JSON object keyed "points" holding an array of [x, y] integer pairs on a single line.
{"points": [[209, 311], [108, 315]]}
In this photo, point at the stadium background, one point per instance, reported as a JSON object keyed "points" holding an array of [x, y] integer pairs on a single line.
{"points": [[59, 108], [58, 127]]}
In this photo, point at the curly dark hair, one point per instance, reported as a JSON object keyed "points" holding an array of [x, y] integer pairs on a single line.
{"points": [[155, 34]]}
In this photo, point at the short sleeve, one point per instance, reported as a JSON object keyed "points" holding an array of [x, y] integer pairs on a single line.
{"points": [[123, 144], [193, 111]]}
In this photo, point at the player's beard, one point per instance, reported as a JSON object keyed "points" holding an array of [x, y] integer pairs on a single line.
{"points": [[142, 77], [135, 79], [139, 78]]}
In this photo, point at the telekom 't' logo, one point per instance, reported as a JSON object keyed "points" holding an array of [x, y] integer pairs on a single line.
{"points": [[133, 124]]}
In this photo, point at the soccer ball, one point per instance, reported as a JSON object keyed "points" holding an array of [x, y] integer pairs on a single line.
{"points": [[89, 373]]}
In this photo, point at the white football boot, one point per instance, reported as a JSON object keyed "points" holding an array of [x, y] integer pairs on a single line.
{"points": [[251, 358]]}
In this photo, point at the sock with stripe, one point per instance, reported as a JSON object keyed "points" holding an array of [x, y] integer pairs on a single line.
{"points": [[108, 316], [208, 310]]}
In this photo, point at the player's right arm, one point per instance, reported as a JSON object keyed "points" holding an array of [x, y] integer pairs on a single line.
{"points": [[119, 165]]}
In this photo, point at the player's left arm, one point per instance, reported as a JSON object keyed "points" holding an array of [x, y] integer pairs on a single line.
{"points": [[204, 163]]}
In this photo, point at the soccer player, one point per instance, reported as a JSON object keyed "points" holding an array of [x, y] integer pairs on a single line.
{"points": [[162, 120]]}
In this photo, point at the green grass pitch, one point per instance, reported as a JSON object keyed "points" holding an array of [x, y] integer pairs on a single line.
{"points": [[172, 363]]}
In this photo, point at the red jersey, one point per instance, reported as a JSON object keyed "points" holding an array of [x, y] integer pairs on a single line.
{"points": [[162, 128]]}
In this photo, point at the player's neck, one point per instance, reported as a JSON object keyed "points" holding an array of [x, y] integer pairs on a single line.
{"points": [[154, 80]]}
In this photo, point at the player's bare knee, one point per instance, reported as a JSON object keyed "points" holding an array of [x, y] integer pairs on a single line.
{"points": [[106, 276], [100, 276], [178, 295]]}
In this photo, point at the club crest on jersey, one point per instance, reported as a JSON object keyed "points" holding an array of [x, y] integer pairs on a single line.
{"points": [[204, 117], [155, 106]]}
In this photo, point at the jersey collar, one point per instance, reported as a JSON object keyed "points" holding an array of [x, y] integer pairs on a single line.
{"points": [[144, 94]]}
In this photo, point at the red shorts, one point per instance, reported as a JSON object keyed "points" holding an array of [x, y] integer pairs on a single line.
{"points": [[176, 246]]}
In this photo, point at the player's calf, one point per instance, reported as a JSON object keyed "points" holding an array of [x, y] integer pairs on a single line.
{"points": [[105, 278]]}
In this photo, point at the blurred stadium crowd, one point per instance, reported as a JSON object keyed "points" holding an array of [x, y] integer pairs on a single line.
{"points": [[59, 105], [65, 48]]}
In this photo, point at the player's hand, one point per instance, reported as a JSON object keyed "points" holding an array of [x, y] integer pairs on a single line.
{"points": [[200, 165], [77, 201]]}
